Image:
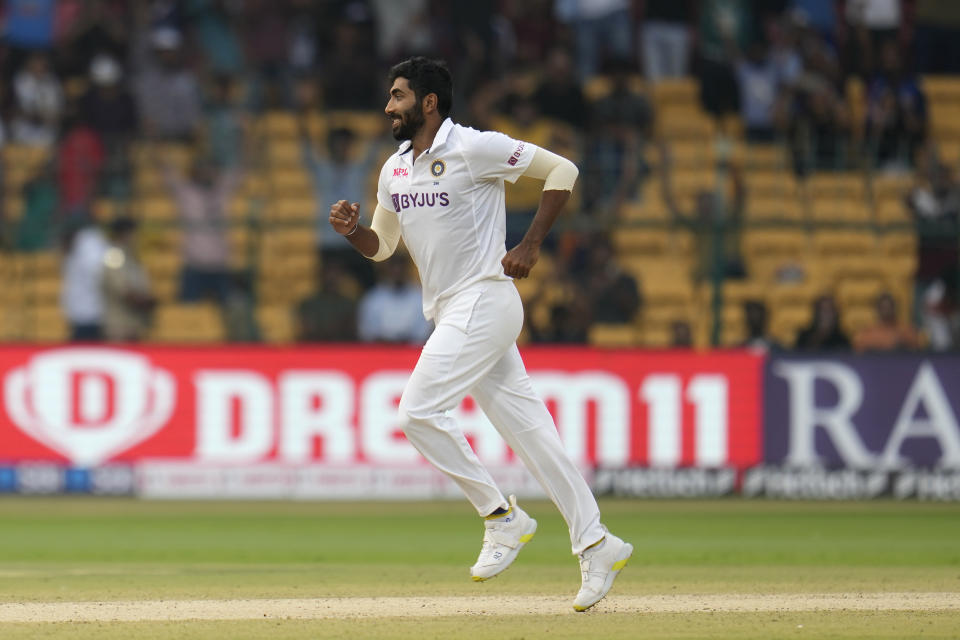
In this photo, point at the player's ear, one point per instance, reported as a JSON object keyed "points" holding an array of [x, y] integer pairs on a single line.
{"points": [[430, 103]]}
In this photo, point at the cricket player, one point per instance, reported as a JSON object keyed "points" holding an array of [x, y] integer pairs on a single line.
{"points": [[443, 193]]}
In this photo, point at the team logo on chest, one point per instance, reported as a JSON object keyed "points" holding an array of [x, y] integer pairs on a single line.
{"points": [[437, 167]]}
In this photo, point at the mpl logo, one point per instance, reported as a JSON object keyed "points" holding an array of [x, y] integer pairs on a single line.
{"points": [[89, 404]]}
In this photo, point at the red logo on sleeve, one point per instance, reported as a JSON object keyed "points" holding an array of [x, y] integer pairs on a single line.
{"points": [[512, 160]]}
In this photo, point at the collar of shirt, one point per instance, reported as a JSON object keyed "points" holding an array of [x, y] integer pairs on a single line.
{"points": [[438, 140]]}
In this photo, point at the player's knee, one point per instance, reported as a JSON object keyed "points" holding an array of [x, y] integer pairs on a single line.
{"points": [[412, 418]]}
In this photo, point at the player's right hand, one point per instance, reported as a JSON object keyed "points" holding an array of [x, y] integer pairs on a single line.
{"points": [[344, 216]]}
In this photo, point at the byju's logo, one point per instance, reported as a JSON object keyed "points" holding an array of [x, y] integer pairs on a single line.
{"points": [[89, 404]]}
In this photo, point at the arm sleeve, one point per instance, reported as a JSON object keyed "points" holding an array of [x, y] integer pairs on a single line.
{"points": [[492, 155], [557, 173], [386, 225]]}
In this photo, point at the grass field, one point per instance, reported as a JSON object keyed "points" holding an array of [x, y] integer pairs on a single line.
{"points": [[342, 566]]}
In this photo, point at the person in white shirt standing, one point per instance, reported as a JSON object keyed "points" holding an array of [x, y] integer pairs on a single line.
{"points": [[443, 192]]}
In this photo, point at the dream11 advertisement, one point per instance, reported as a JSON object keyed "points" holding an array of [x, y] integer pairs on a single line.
{"points": [[321, 422]]}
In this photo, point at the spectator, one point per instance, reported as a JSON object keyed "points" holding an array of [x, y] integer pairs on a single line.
{"points": [[354, 82], [128, 302], [824, 332], [819, 15], [202, 200], [870, 25], [226, 124], [621, 125], [168, 94], [559, 96], [935, 205], [819, 130], [38, 101], [613, 293], [108, 106], [340, 171], [887, 333], [403, 28], [717, 225], [100, 28], [665, 38], [758, 334], [40, 202], [215, 23], [603, 28], [392, 311], [896, 112], [81, 159], [937, 45], [559, 313], [81, 295], [725, 25], [760, 84], [941, 314], [681, 336], [29, 24], [330, 314]]}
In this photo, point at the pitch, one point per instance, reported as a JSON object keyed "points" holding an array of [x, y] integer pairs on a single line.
{"points": [[113, 568]]}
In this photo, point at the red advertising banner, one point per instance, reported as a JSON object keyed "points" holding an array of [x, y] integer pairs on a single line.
{"points": [[89, 406]]}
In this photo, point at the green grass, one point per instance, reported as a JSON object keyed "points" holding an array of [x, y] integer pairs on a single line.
{"points": [[114, 549]]}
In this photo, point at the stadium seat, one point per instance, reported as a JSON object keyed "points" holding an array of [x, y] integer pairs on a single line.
{"points": [[279, 125], [786, 322], [188, 323], [773, 208], [853, 318], [671, 92], [613, 335], [157, 209], [276, 323], [833, 209], [647, 242]]}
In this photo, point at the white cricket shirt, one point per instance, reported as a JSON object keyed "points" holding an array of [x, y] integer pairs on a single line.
{"points": [[451, 206]]}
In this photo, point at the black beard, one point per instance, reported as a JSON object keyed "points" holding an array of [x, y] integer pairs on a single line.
{"points": [[410, 123]]}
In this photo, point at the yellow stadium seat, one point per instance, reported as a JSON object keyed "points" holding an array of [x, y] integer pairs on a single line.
{"points": [[833, 209], [860, 292], [891, 186], [635, 241], [188, 323], [773, 208], [613, 335], [276, 323], [157, 209], [47, 324], [853, 318], [844, 243], [761, 157], [683, 92], [780, 243], [848, 185], [283, 153], [13, 207], [893, 212], [898, 243], [784, 296], [279, 125], [365, 124], [293, 182], [786, 322], [683, 123]]}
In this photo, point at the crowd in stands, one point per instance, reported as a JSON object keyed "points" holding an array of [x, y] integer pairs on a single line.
{"points": [[104, 100]]}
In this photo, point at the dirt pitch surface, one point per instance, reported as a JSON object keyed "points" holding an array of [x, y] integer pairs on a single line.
{"points": [[316, 609]]}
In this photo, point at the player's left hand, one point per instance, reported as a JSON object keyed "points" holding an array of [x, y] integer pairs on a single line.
{"points": [[520, 260]]}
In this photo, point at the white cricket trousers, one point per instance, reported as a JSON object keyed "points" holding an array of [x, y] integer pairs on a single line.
{"points": [[473, 351]]}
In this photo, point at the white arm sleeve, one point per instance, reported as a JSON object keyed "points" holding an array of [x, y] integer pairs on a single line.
{"points": [[386, 225], [557, 173]]}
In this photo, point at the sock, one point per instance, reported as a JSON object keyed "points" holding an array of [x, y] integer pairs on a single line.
{"points": [[498, 513]]}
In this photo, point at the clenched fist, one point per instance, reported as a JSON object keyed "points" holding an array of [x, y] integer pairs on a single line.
{"points": [[344, 217]]}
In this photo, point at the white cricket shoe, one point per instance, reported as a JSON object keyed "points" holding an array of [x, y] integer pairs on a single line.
{"points": [[502, 541], [599, 566]]}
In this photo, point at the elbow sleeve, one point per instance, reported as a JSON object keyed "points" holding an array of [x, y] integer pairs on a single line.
{"points": [[386, 225], [557, 173]]}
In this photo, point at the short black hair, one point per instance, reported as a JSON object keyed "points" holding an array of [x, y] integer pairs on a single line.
{"points": [[426, 76]]}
